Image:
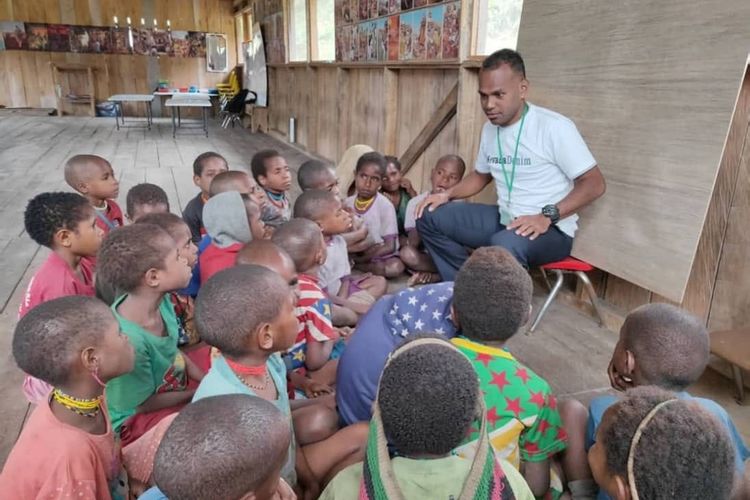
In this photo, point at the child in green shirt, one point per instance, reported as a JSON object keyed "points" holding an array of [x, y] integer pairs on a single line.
{"points": [[143, 262]]}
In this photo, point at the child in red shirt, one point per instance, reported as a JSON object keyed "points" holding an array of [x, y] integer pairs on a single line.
{"points": [[232, 220], [65, 223], [93, 177], [316, 347], [68, 448]]}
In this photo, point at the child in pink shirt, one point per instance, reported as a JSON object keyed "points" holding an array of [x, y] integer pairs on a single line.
{"points": [[381, 255], [67, 449], [93, 177], [65, 223]]}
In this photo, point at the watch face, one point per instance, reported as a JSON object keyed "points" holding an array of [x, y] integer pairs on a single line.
{"points": [[552, 212]]}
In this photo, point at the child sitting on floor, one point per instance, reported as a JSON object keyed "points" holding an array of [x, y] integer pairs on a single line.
{"points": [[428, 401], [251, 334], [271, 171], [655, 445], [314, 174], [381, 257], [144, 199], [65, 223], [491, 301], [68, 447], [186, 249], [142, 261], [205, 167], [253, 440], [231, 220], [352, 295], [318, 343], [93, 177], [447, 172], [398, 190], [664, 346]]}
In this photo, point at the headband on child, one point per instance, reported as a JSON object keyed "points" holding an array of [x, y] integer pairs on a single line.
{"points": [[634, 442], [486, 479]]}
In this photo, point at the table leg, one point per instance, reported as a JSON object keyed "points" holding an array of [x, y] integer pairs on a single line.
{"points": [[149, 113], [174, 128], [117, 117], [179, 117], [205, 121]]}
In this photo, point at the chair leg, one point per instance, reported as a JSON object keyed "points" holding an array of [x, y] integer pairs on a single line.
{"points": [[546, 279], [550, 298], [739, 384], [592, 295]]}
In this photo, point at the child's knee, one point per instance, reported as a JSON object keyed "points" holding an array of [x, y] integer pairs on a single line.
{"points": [[319, 422], [574, 417], [376, 286], [409, 256]]}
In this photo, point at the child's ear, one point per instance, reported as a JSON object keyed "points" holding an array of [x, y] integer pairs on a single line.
{"points": [[152, 278], [63, 237], [89, 359], [82, 187], [622, 490], [454, 317], [264, 337], [262, 180], [630, 363]]}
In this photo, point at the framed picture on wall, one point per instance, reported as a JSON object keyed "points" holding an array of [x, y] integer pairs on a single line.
{"points": [[180, 44], [120, 40], [14, 35], [59, 37], [197, 40], [36, 36], [100, 40], [162, 41]]}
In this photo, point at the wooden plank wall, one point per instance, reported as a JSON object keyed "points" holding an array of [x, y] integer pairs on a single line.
{"points": [[27, 77], [336, 107], [652, 87]]}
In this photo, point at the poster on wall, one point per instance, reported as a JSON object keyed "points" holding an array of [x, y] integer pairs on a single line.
{"points": [[180, 44], [100, 40], [59, 37], [80, 40], [396, 30], [162, 41], [2, 44], [120, 40], [14, 35], [36, 36], [197, 43]]}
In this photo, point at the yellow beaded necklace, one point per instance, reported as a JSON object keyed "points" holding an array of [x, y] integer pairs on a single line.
{"points": [[363, 206], [84, 407]]}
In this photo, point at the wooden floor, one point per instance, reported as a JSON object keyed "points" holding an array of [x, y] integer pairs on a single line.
{"points": [[568, 349]]}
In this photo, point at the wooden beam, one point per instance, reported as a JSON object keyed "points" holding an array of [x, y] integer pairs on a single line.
{"points": [[390, 141], [432, 128]]}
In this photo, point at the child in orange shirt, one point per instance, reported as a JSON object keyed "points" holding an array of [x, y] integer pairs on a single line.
{"points": [[68, 448]]}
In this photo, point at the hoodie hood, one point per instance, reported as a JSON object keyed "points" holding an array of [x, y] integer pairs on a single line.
{"points": [[225, 219]]}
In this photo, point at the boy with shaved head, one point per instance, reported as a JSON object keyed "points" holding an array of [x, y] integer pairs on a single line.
{"points": [[93, 177]]}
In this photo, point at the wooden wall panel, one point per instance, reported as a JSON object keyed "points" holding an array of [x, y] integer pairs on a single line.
{"points": [[652, 86], [27, 74]]}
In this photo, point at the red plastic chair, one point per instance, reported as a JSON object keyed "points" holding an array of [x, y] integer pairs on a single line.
{"points": [[560, 268]]}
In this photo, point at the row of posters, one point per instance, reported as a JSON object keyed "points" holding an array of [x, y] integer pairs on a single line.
{"points": [[352, 11], [101, 39], [423, 34]]}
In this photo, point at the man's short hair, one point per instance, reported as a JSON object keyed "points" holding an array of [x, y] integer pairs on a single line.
{"points": [[505, 56], [48, 213], [237, 441], [234, 302], [314, 204], [128, 252], [48, 340], [145, 194], [199, 163], [670, 345], [492, 295]]}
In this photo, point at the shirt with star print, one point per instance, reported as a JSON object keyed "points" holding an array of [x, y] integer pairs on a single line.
{"points": [[523, 421]]}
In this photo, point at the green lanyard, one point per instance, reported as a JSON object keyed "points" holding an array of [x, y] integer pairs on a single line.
{"points": [[509, 182]]}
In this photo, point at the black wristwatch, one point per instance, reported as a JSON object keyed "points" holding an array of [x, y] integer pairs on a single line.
{"points": [[552, 213]]}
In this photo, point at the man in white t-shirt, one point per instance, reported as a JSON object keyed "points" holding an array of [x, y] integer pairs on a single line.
{"points": [[543, 173]]}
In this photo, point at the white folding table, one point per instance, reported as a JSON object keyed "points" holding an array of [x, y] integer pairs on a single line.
{"points": [[188, 101], [118, 99]]}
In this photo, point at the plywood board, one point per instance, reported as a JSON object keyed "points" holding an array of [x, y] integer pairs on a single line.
{"points": [[652, 87]]}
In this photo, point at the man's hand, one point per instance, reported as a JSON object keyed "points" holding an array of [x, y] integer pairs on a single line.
{"points": [[432, 202], [531, 226]]}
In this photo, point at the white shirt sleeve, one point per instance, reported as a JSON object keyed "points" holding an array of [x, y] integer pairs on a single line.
{"points": [[569, 149], [481, 166], [410, 221]]}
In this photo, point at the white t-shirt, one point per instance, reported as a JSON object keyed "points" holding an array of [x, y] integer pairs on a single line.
{"points": [[336, 265], [410, 220], [551, 154]]}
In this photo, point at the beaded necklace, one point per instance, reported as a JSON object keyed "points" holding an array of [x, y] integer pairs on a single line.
{"points": [[243, 371], [363, 206], [84, 407]]}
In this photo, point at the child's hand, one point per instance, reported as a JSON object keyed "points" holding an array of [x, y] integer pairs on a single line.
{"points": [[315, 389], [344, 332], [284, 491]]}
